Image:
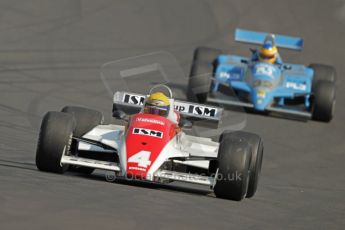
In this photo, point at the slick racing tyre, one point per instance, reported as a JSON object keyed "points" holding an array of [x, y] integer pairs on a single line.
{"points": [[54, 140], [323, 102], [323, 73], [203, 66], [86, 120], [206, 55], [200, 81], [257, 150], [233, 168]]}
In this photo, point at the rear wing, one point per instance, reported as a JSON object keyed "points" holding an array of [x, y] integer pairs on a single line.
{"points": [[288, 42], [132, 103]]}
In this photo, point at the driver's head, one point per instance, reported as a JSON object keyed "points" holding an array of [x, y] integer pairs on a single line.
{"points": [[268, 53], [158, 104]]}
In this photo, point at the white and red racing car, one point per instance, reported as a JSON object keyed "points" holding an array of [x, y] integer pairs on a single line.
{"points": [[151, 147]]}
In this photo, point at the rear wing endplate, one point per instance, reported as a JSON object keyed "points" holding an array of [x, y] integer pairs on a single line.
{"points": [[288, 42], [132, 103]]}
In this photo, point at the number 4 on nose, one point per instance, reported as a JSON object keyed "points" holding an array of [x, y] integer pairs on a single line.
{"points": [[142, 158]]}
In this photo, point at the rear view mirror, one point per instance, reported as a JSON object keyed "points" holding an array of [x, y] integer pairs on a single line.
{"points": [[120, 115]]}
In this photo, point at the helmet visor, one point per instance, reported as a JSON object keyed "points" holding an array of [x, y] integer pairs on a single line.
{"points": [[267, 56], [157, 110]]}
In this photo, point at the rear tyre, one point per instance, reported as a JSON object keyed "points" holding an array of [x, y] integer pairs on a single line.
{"points": [[323, 101], [200, 81], [323, 73], [54, 140], [233, 167], [206, 55], [86, 119]]}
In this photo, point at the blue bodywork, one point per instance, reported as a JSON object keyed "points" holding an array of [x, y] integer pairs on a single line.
{"points": [[282, 41], [263, 84]]}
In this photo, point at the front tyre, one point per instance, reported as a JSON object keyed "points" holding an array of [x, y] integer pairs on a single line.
{"points": [[256, 145], [233, 168], [323, 101], [257, 150], [54, 140], [86, 119]]}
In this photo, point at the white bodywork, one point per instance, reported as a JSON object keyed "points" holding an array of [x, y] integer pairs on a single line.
{"points": [[181, 149], [193, 149]]}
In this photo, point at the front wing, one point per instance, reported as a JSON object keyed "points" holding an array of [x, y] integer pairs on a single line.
{"points": [[233, 101]]}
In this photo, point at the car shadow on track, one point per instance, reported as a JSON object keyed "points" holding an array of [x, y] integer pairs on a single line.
{"points": [[149, 185], [102, 177]]}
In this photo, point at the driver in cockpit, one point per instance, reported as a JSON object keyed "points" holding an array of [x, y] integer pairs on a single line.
{"points": [[159, 104], [268, 53]]}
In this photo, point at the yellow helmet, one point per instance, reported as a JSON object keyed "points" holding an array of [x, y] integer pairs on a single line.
{"points": [[158, 104], [268, 53]]}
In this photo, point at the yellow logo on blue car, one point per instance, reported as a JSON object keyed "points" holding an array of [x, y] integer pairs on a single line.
{"points": [[261, 93]]}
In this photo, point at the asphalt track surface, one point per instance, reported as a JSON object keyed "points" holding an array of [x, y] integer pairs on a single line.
{"points": [[50, 55]]}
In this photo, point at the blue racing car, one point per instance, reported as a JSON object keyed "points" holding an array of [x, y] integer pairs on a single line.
{"points": [[263, 81]]}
